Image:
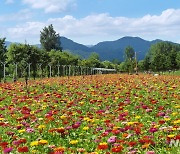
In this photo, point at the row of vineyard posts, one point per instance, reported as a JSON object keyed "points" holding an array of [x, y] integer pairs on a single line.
{"points": [[49, 71]]}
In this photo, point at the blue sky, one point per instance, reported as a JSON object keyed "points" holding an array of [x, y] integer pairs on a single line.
{"points": [[90, 21]]}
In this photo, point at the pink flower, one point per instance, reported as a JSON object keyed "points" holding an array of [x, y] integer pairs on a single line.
{"points": [[7, 150], [150, 152], [152, 130], [112, 139], [29, 130]]}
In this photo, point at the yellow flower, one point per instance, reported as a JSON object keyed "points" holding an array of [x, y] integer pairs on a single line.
{"points": [[86, 119], [177, 107], [176, 121], [21, 131], [85, 128], [166, 119], [103, 143], [171, 136], [156, 126], [130, 123], [174, 128], [34, 151], [137, 117], [73, 141], [174, 113], [34, 143], [63, 117], [41, 126], [1, 118], [43, 142], [40, 119], [81, 103]]}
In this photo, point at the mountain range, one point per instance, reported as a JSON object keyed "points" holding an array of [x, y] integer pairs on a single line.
{"points": [[108, 50]]}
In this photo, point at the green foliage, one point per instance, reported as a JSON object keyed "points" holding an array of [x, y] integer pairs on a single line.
{"points": [[3, 51], [141, 66], [123, 67], [163, 56], [22, 55], [129, 53], [178, 59], [49, 39], [108, 64], [92, 61], [129, 59]]}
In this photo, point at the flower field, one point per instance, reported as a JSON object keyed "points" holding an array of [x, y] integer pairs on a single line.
{"points": [[92, 114]]}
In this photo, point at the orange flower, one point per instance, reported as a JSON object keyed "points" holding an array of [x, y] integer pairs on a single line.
{"points": [[125, 135], [145, 146]]}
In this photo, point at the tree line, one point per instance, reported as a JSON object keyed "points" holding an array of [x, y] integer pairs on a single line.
{"points": [[160, 57]]}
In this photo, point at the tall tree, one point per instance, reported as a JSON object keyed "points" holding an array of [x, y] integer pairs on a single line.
{"points": [[129, 53], [3, 51], [49, 39], [178, 60], [129, 59]]}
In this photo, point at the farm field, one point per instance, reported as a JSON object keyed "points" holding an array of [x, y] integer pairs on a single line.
{"points": [[92, 114]]}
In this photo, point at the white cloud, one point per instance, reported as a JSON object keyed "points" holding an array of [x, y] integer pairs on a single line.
{"points": [[50, 6], [19, 16], [30, 32], [100, 27]]}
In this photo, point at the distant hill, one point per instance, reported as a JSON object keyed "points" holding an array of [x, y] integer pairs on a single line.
{"points": [[108, 50], [75, 48], [115, 49]]}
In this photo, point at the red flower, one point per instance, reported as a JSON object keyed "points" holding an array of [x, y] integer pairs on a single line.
{"points": [[118, 148], [23, 149], [161, 122], [3, 144], [137, 130], [132, 143], [60, 130], [177, 137]]}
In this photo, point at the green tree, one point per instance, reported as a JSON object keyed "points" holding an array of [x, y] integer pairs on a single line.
{"points": [[23, 55], [178, 60], [49, 39], [108, 64], [3, 51], [141, 66], [33, 58], [92, 61], [122, 67], [146, 63], [163, 56], [129, 59], [129, 53]]}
